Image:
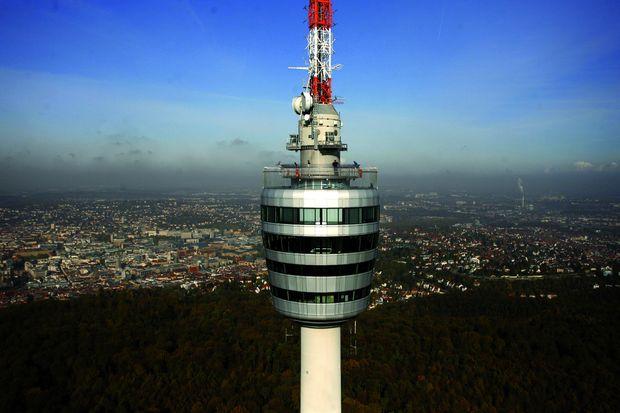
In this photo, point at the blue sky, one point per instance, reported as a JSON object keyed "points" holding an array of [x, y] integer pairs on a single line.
{"points": [[200, 86]]}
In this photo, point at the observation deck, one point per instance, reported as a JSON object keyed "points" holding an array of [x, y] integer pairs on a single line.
{"points": [[339, 177], [320, 228]]}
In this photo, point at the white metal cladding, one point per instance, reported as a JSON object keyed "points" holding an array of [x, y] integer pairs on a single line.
{"points": [[320, 198], [320, 259], [320, 312], [320, 284], [321, 230]]}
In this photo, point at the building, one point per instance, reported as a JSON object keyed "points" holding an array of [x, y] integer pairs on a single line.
{"points": [[320, 226]]}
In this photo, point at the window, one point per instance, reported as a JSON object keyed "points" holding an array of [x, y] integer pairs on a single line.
{"points": [[271, 214], [320, 298], [320, 270], [334, 216], [286, 215], [352, 216], [309, 216], [320, 216], [370, 214], [320, 245]]}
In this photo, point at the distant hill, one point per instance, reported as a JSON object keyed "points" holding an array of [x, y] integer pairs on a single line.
{"points": [[168, 350]]}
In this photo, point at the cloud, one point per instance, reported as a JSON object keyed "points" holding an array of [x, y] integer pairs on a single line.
{"points": [[125, 139], [610, 166], [603, 167], [126, 146], [583, 165], [233, 142], [238, 142], [117, 139]]}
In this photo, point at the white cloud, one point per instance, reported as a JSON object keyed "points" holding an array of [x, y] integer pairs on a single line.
{"points": [[583, 165], [610, 166]]}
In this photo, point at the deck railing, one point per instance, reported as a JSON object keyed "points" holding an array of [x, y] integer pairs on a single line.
{"points": [[286, 176]]}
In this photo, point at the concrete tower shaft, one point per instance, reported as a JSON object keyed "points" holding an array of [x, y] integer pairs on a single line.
{"points": [[320, 370]]}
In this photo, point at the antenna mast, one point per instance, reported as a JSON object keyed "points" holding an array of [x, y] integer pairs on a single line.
{"points": [[320, 50]]}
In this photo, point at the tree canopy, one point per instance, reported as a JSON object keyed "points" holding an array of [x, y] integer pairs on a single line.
{"points": [[170, 350]]}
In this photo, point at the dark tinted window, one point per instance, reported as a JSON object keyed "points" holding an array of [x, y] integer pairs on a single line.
{"points": [[320, 298], [370, 214], [320, 245], [320, 270], [325, 216], [288, 215], [352, 216]]}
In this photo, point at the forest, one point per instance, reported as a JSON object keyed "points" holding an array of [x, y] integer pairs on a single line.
{"points": [[168, 350]]}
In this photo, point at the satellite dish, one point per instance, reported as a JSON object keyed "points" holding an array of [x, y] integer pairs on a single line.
{"points": [[296, 104], [302, 103], [306, 101]]}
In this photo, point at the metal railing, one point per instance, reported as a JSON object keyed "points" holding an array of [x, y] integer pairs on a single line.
{"points": [[287, 176], [294, 144]]}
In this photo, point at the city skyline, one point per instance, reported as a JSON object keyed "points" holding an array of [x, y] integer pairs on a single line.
{"points": [[192, 92]]}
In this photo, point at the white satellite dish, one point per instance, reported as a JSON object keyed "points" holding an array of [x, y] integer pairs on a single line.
{"points": [[303, 103]]}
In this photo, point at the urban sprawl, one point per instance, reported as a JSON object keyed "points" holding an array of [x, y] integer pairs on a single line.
{"points": [[60, 247]]}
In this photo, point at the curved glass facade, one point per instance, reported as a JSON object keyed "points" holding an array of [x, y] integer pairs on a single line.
{"points": [[320, 245], [320, 270], [319, 216], [313, 273], [320, 298]]}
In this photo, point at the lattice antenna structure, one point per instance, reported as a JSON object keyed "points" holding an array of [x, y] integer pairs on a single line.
{"points": [[320, 47]]}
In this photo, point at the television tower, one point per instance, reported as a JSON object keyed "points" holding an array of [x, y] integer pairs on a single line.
{"points": [[320, 226]]}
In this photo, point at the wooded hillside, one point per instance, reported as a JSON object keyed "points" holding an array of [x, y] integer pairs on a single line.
{"points": [[169, 350]]}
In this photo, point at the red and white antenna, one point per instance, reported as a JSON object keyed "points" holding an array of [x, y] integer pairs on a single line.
{"points": [[320, 50]]}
